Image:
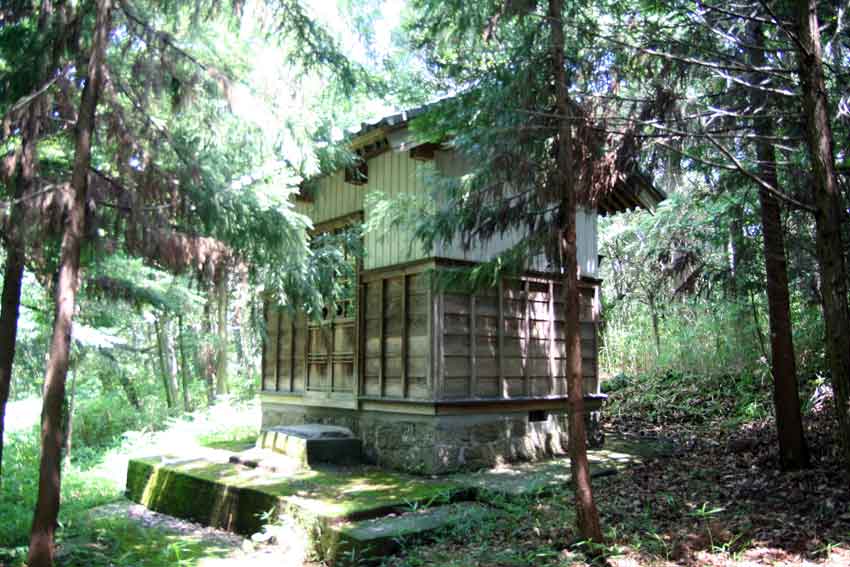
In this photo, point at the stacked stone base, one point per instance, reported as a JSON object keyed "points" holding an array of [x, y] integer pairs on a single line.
{"points": [[440, 444]]}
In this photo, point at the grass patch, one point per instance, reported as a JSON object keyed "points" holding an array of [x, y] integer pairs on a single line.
{"points": [[119, 541], [81, 490], [97, 475]]}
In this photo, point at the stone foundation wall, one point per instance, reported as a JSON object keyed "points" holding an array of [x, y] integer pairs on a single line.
{"points": [[444, 443]]}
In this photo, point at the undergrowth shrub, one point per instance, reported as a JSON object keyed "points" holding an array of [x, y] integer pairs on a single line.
{"points": [[80, 489], [100, 422], [668, 398]]}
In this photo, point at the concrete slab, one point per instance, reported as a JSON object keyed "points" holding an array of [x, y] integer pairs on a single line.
{"points": [[355, 542], [527, 479]]}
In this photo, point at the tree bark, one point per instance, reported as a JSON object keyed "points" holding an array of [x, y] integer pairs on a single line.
{"points": [[793, 452], [587, 516], [828, 215], [206, 353], [13, 275], [167, 360], [69, 418], [126, 384], [42, 541], [184, 367], [656, 333], [221, 387]]}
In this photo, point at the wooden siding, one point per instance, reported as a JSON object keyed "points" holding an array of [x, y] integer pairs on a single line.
{"points": [[449, 163], [509, 341], [306, 356], [393, 173], [396, 336], [420, 345]]}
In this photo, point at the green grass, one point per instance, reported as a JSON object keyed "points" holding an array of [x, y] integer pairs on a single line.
{"points": [[81, 490], [98, 474]]}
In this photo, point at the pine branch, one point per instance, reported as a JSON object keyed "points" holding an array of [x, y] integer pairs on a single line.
{"points": [[757, 179]]}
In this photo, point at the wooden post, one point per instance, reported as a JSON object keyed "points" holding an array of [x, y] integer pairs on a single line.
{"points": [[473, 359], [526, 387], [277, 352], [404, 332], [503, 385], [331, 349], [292, 356], [360, 338], [552, 363], [382, 284], [264, 349], [306, 353]]}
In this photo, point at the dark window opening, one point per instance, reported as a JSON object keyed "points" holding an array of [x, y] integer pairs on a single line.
{"points": [[357, 174], [538, 415]]}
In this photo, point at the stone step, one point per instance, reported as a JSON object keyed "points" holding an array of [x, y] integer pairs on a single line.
{"points": [[313, 444], [353, 543]]}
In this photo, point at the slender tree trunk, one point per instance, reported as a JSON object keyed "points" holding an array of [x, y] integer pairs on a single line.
{"points": [[69, 419], [793, 452], [221, 388], [42, 548], [586, 514], [184, 367], [206, 353], [656, 334], [15, 254], [9, 311], [735, 249], [167, 361], [126, 384], [828, 216], [13, 275]]}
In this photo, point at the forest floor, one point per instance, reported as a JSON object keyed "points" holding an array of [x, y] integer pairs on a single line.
{"points": [[718, 499]]}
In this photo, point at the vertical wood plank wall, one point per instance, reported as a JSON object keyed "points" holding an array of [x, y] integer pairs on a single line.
{"points": [[512, 345], [396, 341], [390, 173], [309, 356], [394, 173], [504, 342]]}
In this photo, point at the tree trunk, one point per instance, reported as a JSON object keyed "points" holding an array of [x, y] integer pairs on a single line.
{"points": [[828, 213], [69, 418], [793, 452], [736, 231], [206, 354], [15, 254], [167, 360], [184, 367], [126, 384], [42, 548], [656, 334], [587, 516], [10, 309], [221, 388]]}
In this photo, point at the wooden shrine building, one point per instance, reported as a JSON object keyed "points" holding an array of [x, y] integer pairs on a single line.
{"points": [[433, 379]]}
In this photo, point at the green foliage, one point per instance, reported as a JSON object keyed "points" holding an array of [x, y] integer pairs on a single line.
{"points": [[679, 398], [81, 490]]}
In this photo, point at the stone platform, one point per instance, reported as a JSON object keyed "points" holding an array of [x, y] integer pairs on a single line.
{"points": [[349, 511]]}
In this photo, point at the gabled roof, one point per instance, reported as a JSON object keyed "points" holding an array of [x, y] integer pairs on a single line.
{"points": [[636, 191]]}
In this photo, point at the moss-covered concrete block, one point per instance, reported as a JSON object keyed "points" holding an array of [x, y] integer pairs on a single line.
{"points": [[197, 497], [351, 543], [236, 498]]}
